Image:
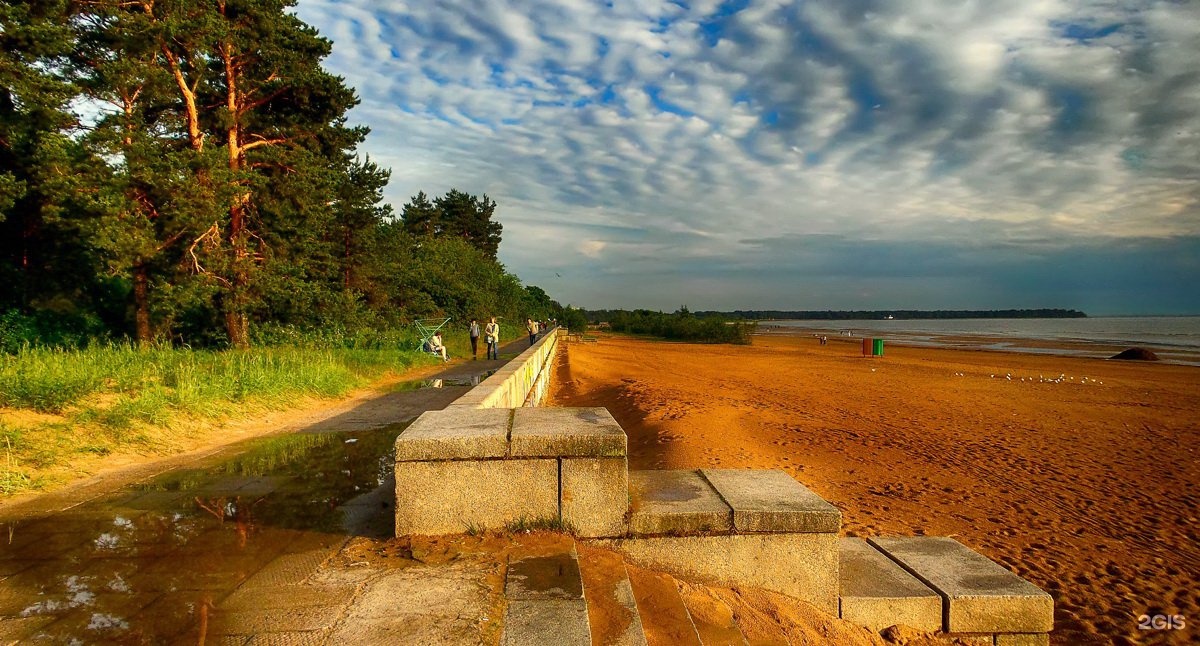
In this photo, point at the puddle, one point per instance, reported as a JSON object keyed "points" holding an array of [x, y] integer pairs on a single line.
{"points": [[420, 384], [150, 563]]}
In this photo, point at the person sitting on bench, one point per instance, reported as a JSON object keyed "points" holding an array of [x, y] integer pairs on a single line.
{"points": [[437, 347]]}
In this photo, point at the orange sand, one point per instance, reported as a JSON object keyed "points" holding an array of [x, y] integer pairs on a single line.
{"points": [[1088, 489]]}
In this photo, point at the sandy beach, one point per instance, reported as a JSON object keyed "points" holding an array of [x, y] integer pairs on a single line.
{"points": [[1078, 474]]}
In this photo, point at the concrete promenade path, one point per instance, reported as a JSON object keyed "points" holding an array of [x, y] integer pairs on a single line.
{"points": [[280, 539]]}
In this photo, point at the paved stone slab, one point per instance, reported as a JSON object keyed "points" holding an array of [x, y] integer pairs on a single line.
{"points": [[980, 596], [772, 501], [288, 596], [877, 593], [566, 432], [249, 622], [804, 566], [455, 434], [544, 577], [594, 495], [675, 502], [453, 497], [424, 604]]}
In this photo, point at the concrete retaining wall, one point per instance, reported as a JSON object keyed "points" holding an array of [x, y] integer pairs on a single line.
{"points": [[521, 382]]}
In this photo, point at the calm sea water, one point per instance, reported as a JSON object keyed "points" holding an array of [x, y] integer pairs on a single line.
{"points": [[1173, 338]]}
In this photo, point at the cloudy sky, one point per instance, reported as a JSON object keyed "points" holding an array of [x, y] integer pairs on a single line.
{"points": [[829, 154]]}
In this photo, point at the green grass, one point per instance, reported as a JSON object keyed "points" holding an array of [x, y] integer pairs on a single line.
{"points": [[548, 524], [95, 400]]}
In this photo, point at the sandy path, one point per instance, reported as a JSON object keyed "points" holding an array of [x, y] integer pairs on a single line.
{"points": [[1088, 489]]}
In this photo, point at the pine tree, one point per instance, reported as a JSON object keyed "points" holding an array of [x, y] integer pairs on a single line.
{"points": [[35, 256], [420, 217], [458, 215]]}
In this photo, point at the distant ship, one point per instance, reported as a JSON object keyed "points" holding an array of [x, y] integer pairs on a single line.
{"points": [[889, 317]]}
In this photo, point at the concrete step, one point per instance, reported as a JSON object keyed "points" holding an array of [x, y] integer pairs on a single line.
{"points": [[612, 609], [725, 501], [712, 617], [735, 527], [877, 593], [545, 602], [665, 619], [979, 597]]}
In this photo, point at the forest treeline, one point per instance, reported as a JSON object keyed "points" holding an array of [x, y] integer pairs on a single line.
{"points": [[185, 171]]}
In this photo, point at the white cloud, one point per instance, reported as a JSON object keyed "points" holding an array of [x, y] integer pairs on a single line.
{"points": [[878, 120]]}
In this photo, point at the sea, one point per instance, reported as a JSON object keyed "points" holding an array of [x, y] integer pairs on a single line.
{"points": [[1175, 339]]}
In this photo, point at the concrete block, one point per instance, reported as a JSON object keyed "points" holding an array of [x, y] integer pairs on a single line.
{"points": [[566, 432], [980, 596], [804, 566], [675, 502], [772, 501], [1023, 639], [966, 639], [594, 498], [450, 497], [455, 434], [537, 623], [877, 593]]}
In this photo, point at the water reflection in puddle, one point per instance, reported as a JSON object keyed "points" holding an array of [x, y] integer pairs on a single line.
{"points": [[149, 564], [420, 384]]}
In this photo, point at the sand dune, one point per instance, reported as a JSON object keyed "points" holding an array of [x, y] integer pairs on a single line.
{"points": [[1078, 474]]}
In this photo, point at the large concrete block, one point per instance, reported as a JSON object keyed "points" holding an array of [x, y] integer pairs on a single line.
{"points": [[537, 623], [675, 502], [1023, 639], [804, 566], [455, 434], [980, 596], [877, 593], [772, 501], [453, 496], [566, 432], [595, 495]]}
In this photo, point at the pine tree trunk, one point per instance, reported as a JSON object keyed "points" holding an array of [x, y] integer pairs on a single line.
{"points": [[237, 326], [141, 304]]}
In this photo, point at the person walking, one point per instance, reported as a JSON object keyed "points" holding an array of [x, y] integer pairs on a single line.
{"points": [[492, 332], [474, 329], [532, 327]]}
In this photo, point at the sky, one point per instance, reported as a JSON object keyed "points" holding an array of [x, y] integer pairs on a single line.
{"points": [[828, 154]]}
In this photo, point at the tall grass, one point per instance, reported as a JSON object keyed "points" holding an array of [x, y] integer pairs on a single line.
{"points": [[96, 399]]}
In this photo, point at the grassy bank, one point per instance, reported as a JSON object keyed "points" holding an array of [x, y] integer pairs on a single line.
{"points": [[56, 405]]}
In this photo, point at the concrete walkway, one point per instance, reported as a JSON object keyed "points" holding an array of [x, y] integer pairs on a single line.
{"points": [[264, 541]]}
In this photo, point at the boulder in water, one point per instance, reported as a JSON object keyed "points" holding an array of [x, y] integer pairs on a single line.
{"points": [[1136, 354]]}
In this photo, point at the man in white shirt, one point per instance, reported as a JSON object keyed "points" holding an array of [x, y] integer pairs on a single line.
{"points": [[492, 332]]}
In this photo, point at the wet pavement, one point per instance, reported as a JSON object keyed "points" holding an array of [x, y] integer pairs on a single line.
{"points": [[215, 551]]}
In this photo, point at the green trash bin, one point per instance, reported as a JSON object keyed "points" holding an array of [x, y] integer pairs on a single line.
{"points": [[878, 349]]}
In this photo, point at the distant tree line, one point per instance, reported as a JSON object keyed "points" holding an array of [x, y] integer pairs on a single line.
{"points": [[680, 325], [845, 315], [184, 171]]}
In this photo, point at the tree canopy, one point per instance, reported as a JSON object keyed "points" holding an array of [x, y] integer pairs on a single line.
{"points": [[183, 171]]}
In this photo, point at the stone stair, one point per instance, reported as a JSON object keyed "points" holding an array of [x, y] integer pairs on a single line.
{"points": [[466, 469], [545, 602]]}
